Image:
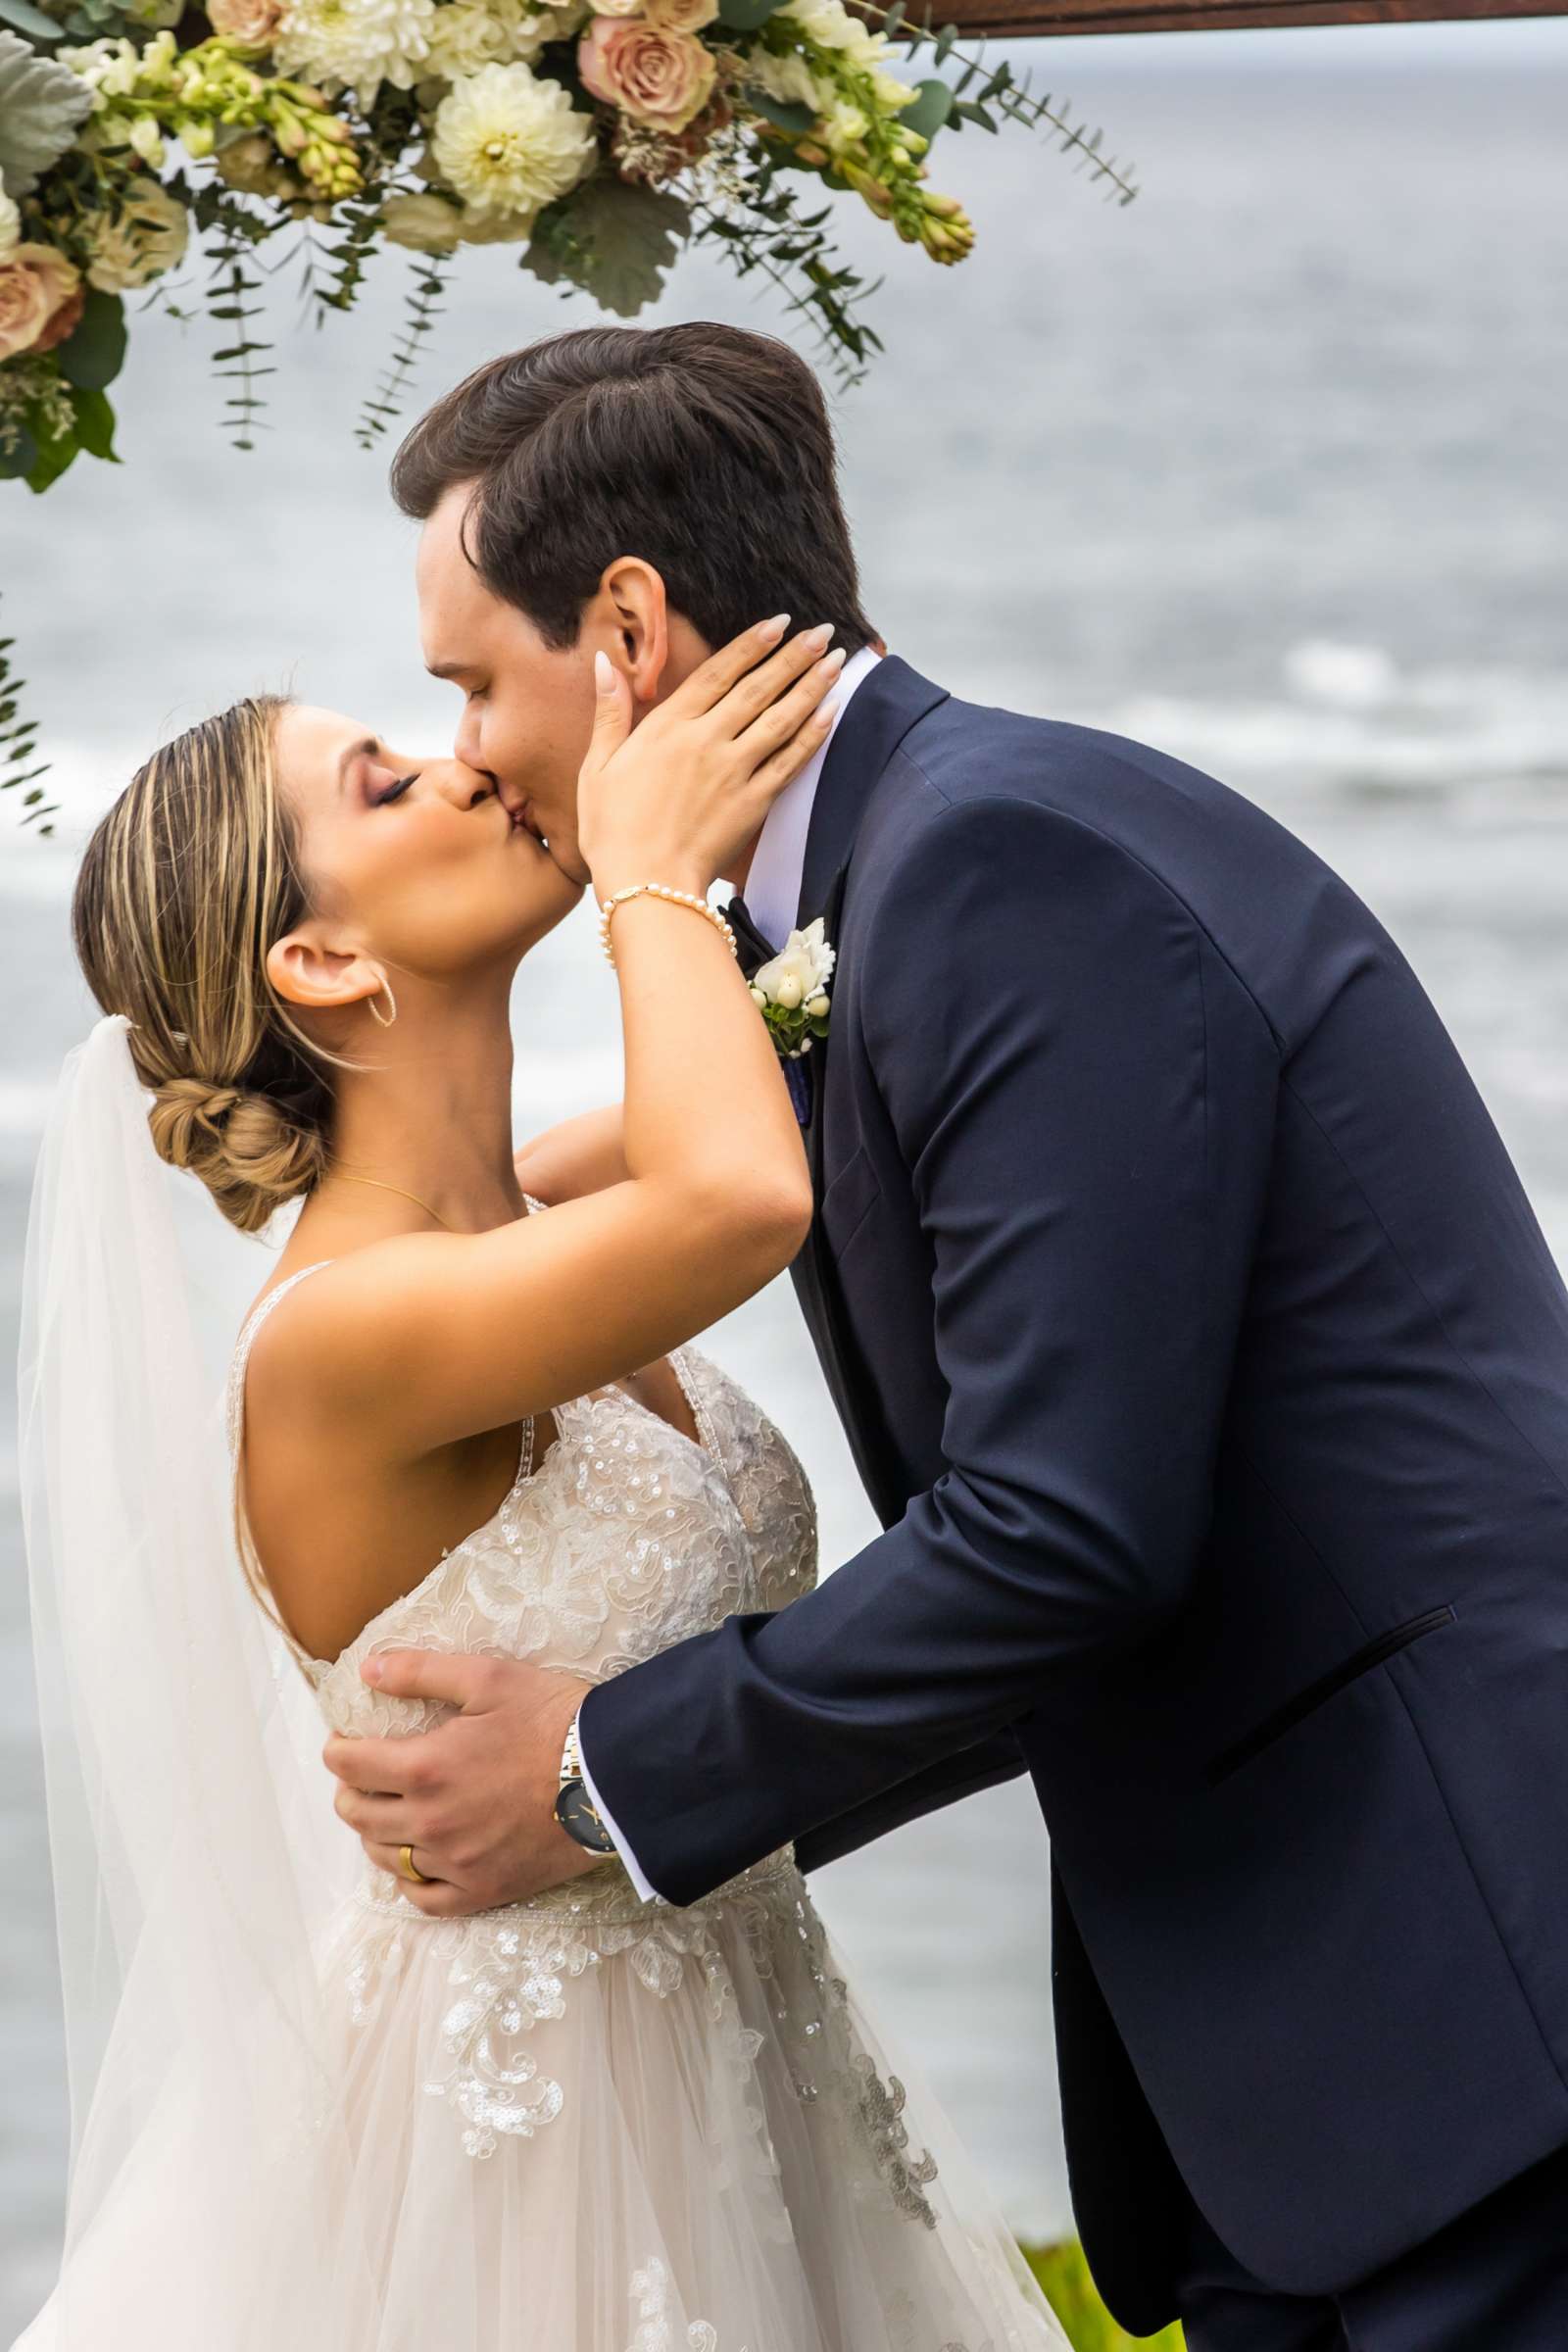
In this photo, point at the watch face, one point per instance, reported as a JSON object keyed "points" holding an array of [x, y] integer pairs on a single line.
{"points": [[575, 1813]]}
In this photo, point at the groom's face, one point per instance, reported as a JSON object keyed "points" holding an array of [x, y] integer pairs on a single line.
{"points": [[527, 709]]}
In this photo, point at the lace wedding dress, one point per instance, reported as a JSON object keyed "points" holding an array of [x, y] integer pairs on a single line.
{"points": [[589, 2122]]}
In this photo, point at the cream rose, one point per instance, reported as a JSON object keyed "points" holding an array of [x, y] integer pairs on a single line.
{"points": [[680, 15], [250, 24], [41, 299], [661, 79], [146, 236]]}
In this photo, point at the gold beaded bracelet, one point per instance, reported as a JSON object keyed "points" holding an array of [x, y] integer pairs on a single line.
{"points": [[676, 897]]}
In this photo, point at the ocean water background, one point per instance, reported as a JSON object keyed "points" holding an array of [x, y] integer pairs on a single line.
{"points": [[1267, 468]]}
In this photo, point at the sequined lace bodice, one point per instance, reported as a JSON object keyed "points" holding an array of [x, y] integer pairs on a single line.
{"points": [[625, 1539]]}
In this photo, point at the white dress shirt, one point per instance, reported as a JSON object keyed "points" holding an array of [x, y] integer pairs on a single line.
{"points": [[772, 896]]}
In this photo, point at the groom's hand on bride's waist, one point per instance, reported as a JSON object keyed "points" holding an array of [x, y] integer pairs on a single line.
{"points": [[474, 1798]]}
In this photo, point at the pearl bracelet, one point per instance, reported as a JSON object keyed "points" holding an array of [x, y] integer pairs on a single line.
{"points": [[676, 897]]}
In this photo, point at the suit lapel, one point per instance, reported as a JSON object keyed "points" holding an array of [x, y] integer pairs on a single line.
{"points": [[880, 714]]}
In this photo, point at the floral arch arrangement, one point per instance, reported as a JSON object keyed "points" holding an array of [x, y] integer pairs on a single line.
{"points": [[599, 137]]}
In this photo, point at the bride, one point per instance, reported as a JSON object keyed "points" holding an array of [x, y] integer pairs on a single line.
{"points": [[311, 2114]]}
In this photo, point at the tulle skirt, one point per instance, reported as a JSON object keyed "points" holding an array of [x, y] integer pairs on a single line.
{"points": [[582, 2124]]}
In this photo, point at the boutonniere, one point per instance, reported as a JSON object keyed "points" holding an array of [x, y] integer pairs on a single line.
{"points": [[791, 992]]}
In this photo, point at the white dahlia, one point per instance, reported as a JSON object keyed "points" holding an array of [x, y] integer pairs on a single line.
{"points": [[469, 34], [10, 226], [509, 143], [356, 44]]}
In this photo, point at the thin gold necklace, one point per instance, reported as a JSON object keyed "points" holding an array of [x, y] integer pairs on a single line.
{"points": [[396, 1188]]}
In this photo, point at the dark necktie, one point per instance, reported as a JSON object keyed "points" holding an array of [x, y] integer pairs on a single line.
{"points": [[754, 949]]}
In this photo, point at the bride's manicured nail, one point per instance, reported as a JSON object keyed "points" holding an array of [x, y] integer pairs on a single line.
{"points": [[821, 635], [604, 672], [772, 631], [370, 1671], [834, 662]]}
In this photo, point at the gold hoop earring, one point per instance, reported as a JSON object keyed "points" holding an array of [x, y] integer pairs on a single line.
{"points": [[385, 1019]]}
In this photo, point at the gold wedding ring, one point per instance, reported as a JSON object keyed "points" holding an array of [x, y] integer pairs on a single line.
{"points": [[410, 1868]]}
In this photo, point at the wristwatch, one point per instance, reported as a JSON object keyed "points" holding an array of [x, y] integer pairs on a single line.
{"points": [[574, 1807]]}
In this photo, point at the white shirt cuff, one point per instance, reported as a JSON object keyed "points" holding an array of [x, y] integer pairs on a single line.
{"points": [[634, 1871]]}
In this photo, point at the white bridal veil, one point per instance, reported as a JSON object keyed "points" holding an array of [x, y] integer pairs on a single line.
{"points": [[196, 1854]]}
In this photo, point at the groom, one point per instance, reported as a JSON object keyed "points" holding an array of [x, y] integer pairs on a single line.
{"points": [[1202, 1358]]}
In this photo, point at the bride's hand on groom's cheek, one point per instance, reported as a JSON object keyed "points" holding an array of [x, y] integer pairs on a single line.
{"points": [[475, 1798]]}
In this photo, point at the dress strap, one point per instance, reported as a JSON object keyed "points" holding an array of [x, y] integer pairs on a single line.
{"points": [[249, 1561]]}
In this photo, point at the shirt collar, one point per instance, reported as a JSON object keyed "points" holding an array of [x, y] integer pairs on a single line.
{"points": [[774, 886]]}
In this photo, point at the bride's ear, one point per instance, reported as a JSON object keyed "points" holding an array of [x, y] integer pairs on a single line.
{"points": [[306, 973]]}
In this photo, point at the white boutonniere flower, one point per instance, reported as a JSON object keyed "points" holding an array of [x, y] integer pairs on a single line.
{"points": [[791, 992]]}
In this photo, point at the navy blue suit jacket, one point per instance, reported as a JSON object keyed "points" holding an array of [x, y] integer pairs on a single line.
{"points": [[1208, 1372]]}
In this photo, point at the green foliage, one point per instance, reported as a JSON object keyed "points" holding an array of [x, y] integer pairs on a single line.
{"points": [[422, 308], [1064, 2281], [982, 93], [93, 355], [747, 16], [41, 106], [612, 241], [766, 230], [20, 767], [931, 108], [235, 362], [28, 19]]}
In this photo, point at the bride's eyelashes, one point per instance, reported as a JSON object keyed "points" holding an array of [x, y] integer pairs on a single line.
{"points": [[381, 799]]}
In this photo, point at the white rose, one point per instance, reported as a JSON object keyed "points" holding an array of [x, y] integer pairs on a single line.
{"points": [[10, 226], [421, 223], [801, 971], [146, 236], [507, 142]]}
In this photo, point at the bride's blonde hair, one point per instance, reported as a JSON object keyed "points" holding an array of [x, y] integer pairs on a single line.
{"points": [[184, 885]]}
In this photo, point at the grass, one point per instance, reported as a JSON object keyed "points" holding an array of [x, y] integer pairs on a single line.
{"points": [[1063, 2273]]}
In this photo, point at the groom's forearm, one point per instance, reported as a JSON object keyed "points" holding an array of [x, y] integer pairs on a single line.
{"points": [[1086, 1113], [945, 1783]]}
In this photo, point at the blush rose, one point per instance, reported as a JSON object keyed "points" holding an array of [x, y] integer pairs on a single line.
{"points": [[657, 77]]}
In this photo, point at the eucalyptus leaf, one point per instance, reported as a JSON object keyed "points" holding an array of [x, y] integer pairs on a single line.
{"points": [[30, 20], [783, 113], [42, 105], [614, 240], [747, 16], [931, 108], [94, 355]]}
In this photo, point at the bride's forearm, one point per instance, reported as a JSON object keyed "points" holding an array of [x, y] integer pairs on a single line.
{"points": [[582, 1156]]}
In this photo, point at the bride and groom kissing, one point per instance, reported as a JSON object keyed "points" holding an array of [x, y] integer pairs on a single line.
{"points": [[1198, 1347]]}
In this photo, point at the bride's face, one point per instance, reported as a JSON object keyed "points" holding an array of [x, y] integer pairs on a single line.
{"points": [[412, 862]]}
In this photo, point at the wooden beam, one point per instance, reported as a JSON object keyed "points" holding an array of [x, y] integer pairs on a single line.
{"points": [[1045, 17]]}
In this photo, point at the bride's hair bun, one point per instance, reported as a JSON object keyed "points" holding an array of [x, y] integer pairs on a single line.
{"points": [[184, 885], [245, 1148]]}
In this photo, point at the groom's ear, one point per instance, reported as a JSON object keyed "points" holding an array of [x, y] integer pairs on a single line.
{"points": [[632, 616]]}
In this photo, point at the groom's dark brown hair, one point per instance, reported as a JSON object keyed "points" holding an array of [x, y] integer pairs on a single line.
{"points": [[704, 450]]}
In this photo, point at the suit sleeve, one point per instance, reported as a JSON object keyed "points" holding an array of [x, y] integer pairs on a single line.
{"points": [[1077, 1087]]}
